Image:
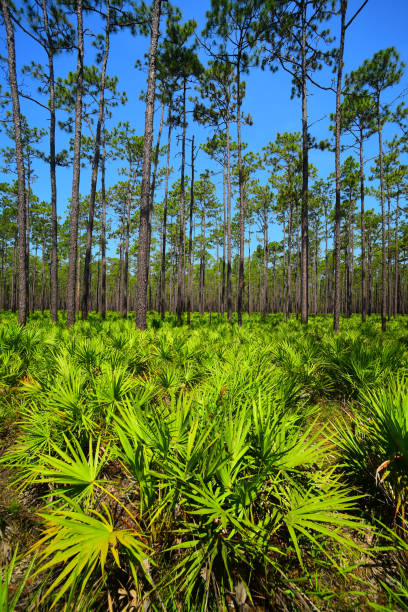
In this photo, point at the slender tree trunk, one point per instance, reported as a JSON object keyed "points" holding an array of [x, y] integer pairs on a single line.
{"points": [[265, 263], [389, 269], [43, 276], [383, 248], [229, 236], [103, 232], [249, 288], [362, 223], [222, 309], [304, 275], [289, 271], [202, 263], [396, 280], [370, 303], [95, 168], [181, 272], [190, 244], [53, 179], [124, 304], [348, 291], [164, 230], [241, 200], [73, 236], [144, 251], [78, 279], [337, 213], [21, 206], [326, 260]]}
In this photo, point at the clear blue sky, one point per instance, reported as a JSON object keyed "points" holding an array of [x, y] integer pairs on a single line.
{"points": [[380, 25]]}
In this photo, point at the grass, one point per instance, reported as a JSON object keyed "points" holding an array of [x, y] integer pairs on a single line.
{"points": [[207, 467]]}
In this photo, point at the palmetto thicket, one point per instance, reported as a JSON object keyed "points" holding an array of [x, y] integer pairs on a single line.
{"points": [[193, 466]]}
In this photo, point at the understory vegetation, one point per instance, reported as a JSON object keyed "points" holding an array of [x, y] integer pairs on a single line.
{"points": [[204, 468]]}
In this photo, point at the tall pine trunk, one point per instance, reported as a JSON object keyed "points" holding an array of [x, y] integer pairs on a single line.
{"points": [[190, 242], [337, 212], [73, 235], [304, 273], [145, 203], [21, 206], [164, 229], [383, 247], [53, 164], [241, 199], [362, 223], [229, 235], [103, 233], [95, 168], [181, 273]]}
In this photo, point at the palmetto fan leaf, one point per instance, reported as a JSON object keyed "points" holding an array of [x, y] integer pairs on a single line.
{"points": [[71, 468], [79, 543]]}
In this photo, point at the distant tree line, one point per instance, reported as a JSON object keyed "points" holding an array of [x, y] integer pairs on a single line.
{"points": [[156, 234]]}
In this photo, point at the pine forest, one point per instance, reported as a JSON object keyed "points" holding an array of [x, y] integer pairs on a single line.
{"points": [[203, 305]]}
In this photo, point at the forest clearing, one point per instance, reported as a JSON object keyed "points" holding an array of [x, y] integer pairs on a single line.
{"points": [[203, 306]]}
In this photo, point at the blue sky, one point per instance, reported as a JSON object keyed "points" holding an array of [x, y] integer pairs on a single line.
{"points": [[380, 25]]}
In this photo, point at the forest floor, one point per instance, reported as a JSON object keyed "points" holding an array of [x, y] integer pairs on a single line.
{"points": [[207, 467]]}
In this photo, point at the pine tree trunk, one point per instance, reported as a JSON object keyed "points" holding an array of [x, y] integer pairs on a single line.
{"points": [[326, 259], [396, 280], [190, 244], [389, 270], [229, 237], [304, 280], [43, 276], [145, 203], [222, 309], [265, 264], [337, 213], [125, 294], [241, 200], [181, 272], [95, 168], [21, 206], [362, 223], [153, 189], [202, 264], [164, 229], [249, 267], [73, 236], [53, 179], [289, 271], [103, 234], [383, 248]]}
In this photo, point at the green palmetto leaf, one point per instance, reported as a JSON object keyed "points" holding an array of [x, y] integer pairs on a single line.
{"points": [[313, 514], [72, 468], [79, 543]]}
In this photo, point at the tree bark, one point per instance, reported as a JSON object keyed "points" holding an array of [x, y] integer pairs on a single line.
{"points": [[21, 206], [383, 248], [53, 179], [73, 236], [190, 243], [103, 232], [95, 168], [289, 272], [337, 212], [181, 274], [145, 203], [164, 229], [362, 223], [241, 200], [304, 274], [229, 237]]}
